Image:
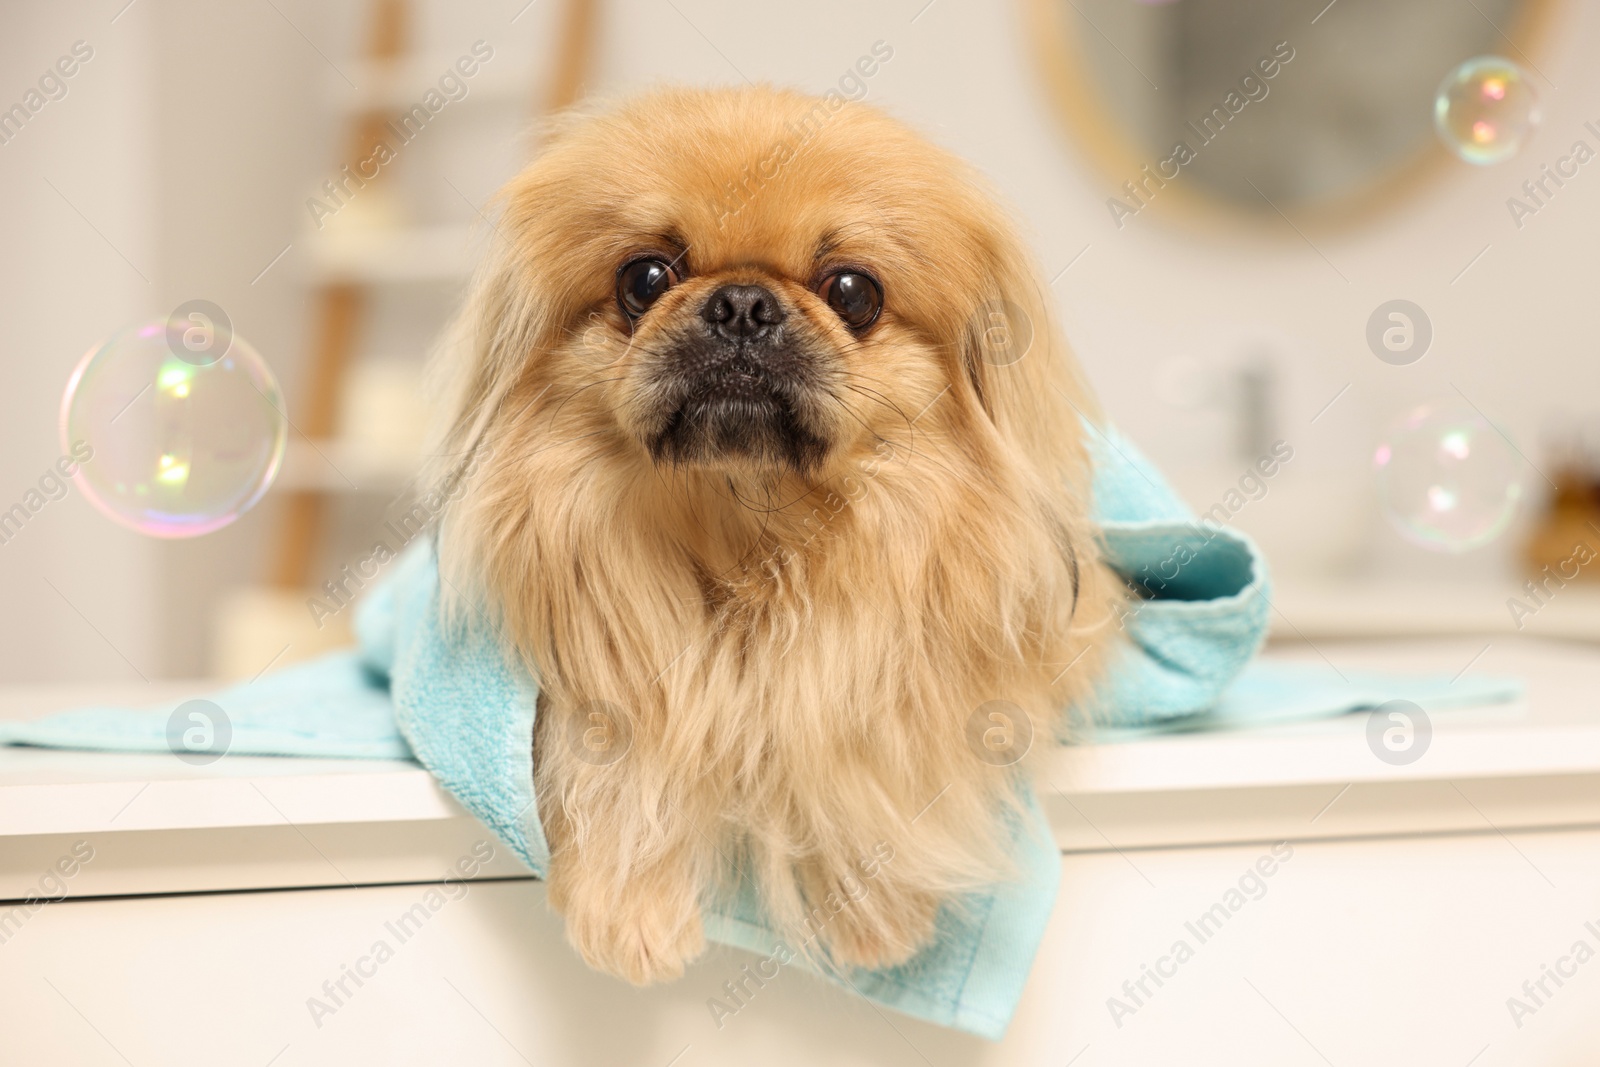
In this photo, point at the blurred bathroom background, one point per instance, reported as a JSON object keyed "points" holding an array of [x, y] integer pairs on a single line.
{"points": [[1217, 313]]}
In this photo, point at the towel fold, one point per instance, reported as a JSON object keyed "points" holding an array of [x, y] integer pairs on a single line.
{"points": [[453, 700]]}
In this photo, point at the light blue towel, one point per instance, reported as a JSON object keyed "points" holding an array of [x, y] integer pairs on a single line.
{"points": [[333, 708], [1268, 694], [451, 698], [1202, 597]]}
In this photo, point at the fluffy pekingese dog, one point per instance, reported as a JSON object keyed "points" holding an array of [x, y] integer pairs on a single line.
{"points": [[782, 492]]}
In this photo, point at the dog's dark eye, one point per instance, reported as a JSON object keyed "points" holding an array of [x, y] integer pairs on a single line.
{"points": [[641, 283], [854, 297]]}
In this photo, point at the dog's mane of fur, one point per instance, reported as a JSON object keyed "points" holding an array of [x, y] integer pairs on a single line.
{"points": [[796, 655]]}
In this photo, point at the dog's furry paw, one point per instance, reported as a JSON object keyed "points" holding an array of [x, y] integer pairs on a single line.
{"points": [[882, 932], [646, 945]]}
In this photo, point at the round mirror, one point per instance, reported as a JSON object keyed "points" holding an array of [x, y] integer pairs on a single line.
{"points": [[1266, 105]]}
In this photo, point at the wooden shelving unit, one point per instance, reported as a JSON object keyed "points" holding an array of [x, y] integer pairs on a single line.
{"points": [[353, 266]]}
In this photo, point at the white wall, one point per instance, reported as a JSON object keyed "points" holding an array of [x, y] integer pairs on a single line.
{"points": [[70, 273]]}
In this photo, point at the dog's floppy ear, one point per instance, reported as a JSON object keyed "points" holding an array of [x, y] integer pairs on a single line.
{"points": [[511, 314], [1018, 365], [474, 364]]}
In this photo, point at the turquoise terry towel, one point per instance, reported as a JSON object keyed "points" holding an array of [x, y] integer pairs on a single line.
{"points": [[331, 708], [451, 698]]}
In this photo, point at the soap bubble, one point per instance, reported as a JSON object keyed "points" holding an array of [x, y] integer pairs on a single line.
{"points": [[1447, 479], [182, 421], [1485, 109]]}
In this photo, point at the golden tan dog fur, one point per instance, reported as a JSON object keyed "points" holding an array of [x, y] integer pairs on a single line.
{"points": [[794, 654]]}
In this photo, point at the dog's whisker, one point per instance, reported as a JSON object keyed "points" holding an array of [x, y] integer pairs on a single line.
{"points": [[876, 395], [877, 398], [769, 508], [590, 385], [911, 450], [566, 441], [874, 434]]}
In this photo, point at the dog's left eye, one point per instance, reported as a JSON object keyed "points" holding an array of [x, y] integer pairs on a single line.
{"points": [[854, 297], [641, 283]]}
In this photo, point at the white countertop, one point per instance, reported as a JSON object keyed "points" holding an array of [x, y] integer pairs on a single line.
{"points": [[162, 825], [1364, 608]]}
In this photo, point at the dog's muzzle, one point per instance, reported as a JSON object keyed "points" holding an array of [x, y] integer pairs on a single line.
{"points": [[739, 383]]}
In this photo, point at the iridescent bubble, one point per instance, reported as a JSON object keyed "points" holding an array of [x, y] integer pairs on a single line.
{"points": [[1447, 479], [1485, 109], [183, 438]]}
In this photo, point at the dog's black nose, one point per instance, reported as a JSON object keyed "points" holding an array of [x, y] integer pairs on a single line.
{"points": [[742, 311]]}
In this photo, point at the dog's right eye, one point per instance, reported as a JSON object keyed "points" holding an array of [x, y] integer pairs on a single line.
{"points": [[641, 283]]}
